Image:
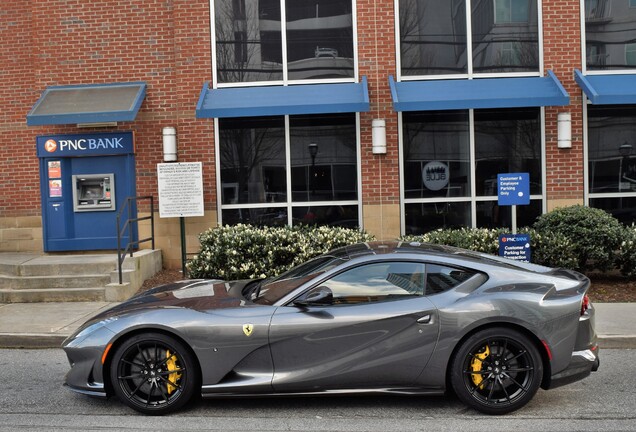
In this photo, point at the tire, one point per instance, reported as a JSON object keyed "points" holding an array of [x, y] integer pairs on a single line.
{"points": [[496, 370], [154, 373]]}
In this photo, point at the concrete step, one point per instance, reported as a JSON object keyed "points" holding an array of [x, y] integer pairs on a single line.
{"points": [[52, 295], [47, 265], [53, 281], [30, 278]]}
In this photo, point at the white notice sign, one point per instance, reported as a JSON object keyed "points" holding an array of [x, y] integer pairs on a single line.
{"points": [[180, 189]]}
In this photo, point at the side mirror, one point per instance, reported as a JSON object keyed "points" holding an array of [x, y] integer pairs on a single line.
{"points": [[321, 296]]}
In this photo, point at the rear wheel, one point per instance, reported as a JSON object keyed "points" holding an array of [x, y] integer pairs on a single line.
{"points": [[153, 373], [496, 371]]}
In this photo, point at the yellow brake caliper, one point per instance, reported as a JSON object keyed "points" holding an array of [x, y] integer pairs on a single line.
{"points": [[476, 364], [171, 364]]}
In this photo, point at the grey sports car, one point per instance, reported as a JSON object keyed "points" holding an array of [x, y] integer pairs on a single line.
{"points": [[386, 317]]}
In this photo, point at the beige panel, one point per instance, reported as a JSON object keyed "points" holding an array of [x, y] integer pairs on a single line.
{"points": [[382, 220], [554, 204]]}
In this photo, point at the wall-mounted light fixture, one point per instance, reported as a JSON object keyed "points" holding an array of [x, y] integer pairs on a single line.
{"points": [[564, 130], [378, 136], [169, 144]]}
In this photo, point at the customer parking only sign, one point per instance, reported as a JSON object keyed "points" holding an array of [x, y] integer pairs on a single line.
{"points": [[515, 247]]}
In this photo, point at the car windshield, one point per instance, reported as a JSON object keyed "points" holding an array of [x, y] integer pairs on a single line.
{"points": [[272, 290]]}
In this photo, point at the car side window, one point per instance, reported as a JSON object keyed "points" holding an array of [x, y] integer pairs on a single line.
{"points": [[441, 278], [377, 282]]}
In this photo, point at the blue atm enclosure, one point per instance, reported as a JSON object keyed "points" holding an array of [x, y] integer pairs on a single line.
{"points": [[84, 181]]}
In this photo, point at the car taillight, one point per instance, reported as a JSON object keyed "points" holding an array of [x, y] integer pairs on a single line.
{"points": [[585, 304]]}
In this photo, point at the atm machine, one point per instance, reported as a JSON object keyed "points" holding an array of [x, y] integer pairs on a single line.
{"points": [[84, 182]]}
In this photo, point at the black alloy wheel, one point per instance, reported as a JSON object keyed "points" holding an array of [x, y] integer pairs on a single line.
{"points": [[497, 371], [153, 373]]}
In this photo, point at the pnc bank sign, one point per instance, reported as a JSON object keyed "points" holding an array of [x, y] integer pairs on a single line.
{"points": [[85, 144]]}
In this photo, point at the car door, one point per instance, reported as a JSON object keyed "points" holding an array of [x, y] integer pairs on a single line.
{"points": [[379, 331]]}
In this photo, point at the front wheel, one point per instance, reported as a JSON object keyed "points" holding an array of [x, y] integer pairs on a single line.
{"points": [[153, 373], [496, 371]]}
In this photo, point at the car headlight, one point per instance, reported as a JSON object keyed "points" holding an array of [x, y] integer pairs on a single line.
{"points": [[93, 327]]}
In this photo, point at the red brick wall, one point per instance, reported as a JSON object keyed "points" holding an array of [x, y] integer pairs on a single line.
{"points": [[562, 54], [165, 43], [376, 54]]}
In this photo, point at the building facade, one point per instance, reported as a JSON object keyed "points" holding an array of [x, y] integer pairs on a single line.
{"points": [[394, 116]]}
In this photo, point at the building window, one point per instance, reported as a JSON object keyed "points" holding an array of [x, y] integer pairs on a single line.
{"points": [[434, 38], [611, 131], [289, 170], [511, 11], [316, 37], [610, 29], [446, 187], [630, 54]]}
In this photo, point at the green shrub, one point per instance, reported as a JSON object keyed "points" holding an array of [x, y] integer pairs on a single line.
{"points": [[553, 250], [247, 252], [476, 239], [594, 234]]}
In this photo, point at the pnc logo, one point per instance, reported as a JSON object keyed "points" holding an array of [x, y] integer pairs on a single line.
{"points": [[50, 146]]}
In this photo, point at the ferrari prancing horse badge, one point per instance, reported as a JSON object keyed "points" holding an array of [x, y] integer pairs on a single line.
{"points": [[248, 329]]}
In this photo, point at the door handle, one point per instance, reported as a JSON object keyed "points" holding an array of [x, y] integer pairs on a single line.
{"points": [[426, 319]]}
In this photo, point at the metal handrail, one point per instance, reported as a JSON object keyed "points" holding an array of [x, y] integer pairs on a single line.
{"points": [[129, 221]]}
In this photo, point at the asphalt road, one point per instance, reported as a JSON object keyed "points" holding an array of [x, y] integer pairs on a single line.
{"points": [[32, 399]]}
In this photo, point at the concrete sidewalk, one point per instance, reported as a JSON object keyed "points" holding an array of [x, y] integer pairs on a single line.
{"points": [[46, 325]]}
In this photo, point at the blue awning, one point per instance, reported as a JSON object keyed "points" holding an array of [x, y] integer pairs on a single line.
{"points": [[283, 100], [607, 89], [478, 93], [88, 103]]}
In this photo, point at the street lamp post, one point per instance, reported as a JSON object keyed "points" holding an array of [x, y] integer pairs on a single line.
{"points": [[625, 150], [313, 151]]}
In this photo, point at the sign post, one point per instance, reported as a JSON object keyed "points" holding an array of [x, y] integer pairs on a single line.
{"points": [[180, 195], [513, 189]]}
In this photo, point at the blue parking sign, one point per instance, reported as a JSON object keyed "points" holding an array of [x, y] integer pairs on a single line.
{"points": [[515, 246], [513, 189]]}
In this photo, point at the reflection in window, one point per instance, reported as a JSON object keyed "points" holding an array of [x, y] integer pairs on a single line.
{"points": [[323, 157], [436, 154], [323, 169], [345, 216], [421, 218], [252, 153], [439, 171], [433, 37], [610, 30], [511, 11], [250, 39], [507, 141], [319, 39], [612, 149], [505, 36], [630, 54], [623, 208]]}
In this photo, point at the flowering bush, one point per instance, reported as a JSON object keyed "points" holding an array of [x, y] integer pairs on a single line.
{"points": [[247, 252], [627, 258]]}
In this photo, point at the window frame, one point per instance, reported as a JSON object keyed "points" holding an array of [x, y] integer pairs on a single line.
{"points": [[472, 198], [469, 49], [284, 64], [289, 204]]}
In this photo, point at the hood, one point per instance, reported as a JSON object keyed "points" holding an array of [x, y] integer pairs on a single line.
{"points": [[200, 295]]}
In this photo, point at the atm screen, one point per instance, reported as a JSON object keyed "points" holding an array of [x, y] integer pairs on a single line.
{"points": [[90, 192]]}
